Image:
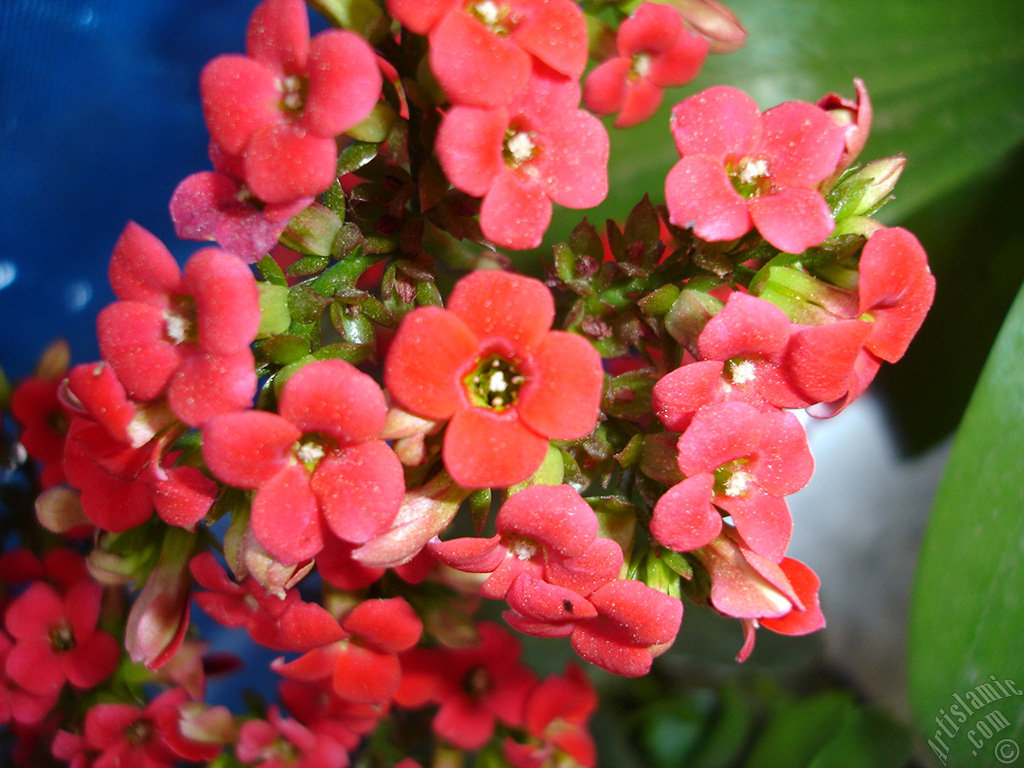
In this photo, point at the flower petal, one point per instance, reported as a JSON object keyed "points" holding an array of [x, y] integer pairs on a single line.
{"points": [[803, 143], [239, 95], [344, 82], [792, 219], [515, 212], [285, 163], [562, 397], [227, 300], [359, 489], [701, 197], [504, 306], [684, 518], [718, 123], [278, 35], [334, 398], [475, 66], [484, 449], [442, 337], [247, 449], [286, 517]]}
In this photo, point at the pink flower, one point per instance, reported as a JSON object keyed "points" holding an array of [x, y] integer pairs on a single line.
{"points": [[833, 357], [740, 460], [520, 157], [634, 623], [482, 51], [216, 205], [281, 106], [183, 335], [656, 51], [741, 169], [56, 639], [317, 460], [782, 597], [546, 533], [246, 604], [35, 405], [490, 364], [741, 351]]}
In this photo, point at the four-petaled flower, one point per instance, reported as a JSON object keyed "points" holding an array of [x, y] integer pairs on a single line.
{"points": [[741, 169], [491, 364], [186, 334], [482, 51], [280, 107], [318, 458], [522, 156], [655, 51]]}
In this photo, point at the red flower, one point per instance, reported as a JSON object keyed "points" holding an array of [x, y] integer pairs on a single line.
{"points": [[557, 712], [128, 735], [744, 462], [35, 405], [656, 51], [280, 107], [475, 687], [634, 623], [183, 335], [490, 364], [56, 639], [520, 157], [318, 459], [359, 655], [481, 51], [246, 604], [740, 169], [837, 349], [281, 741]]}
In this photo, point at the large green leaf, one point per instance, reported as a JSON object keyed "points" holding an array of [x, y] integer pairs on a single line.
{"points": [[944, 76], [967, 617]]}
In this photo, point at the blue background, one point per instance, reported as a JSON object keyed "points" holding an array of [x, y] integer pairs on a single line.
{"points": [[99, 121]]}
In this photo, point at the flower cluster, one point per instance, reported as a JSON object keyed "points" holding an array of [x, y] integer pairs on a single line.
{"points": [[344, 425]]}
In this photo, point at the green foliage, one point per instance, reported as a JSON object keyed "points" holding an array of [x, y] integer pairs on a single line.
{"points": [[968, 612]]}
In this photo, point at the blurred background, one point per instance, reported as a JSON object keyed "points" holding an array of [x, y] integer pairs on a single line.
{"points": [[100, 119]]}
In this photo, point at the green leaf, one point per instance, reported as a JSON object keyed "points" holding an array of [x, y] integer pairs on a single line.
{"points": [[968, 611], [868, 739], [800, 731]]}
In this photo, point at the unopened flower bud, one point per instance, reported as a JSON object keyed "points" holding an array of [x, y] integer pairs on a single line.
{"points": [[158, 619], [657, 574], [865, 190], [689, 314], [855, 117], [714, 22], [312, 230], [274, 315], [376, 126], [59, 509], [425, 512], [55, 361], [804, 298]]}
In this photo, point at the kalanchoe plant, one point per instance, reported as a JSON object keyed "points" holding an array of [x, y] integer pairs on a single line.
{"points": [[393, 424]]}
